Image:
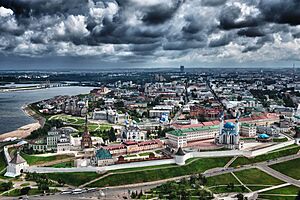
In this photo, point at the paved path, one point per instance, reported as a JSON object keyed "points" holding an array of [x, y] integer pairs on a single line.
{"points": [[231, 161], [240, 182], [273, 187], [279, 175]]}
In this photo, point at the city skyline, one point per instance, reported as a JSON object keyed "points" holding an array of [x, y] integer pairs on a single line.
{"points": [[137, 34]]}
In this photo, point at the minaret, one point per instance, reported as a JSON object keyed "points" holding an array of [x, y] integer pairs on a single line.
{"points": [[237, 123], [217, 139], [221, 121]]}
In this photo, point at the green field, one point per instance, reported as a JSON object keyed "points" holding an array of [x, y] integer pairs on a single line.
{"points": [[34, 160], [197, 166], [79, 122], [290, 168], [74, 178], [288, 190], [219, 184], [63, 164], [256, 179], [280, 139], [269, 156], [145, 154], [32, 191], [2, 161]]}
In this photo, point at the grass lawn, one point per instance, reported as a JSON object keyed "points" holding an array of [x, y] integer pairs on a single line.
{"points": [[280, 139], [197, 166], [290, 168], [269, 156], [218, 184], [255, 176], [63, 164], [222, 179], [24, 184], [78, 123], [284, 190], [271, 197], [34, 160], [32, 191], [145, 154], [144, 168], [74, 178], [288, 190], [130, 155], [2, 161]]}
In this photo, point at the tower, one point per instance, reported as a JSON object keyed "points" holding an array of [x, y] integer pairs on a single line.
{"points": [[181, 68], [86, 140], [237, 123], [221, 119]]}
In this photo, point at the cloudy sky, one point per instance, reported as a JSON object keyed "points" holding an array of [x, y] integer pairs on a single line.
{"points": [[148, 33]]}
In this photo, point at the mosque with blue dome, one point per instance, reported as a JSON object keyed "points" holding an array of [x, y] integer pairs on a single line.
{"points": [[229, 134]]}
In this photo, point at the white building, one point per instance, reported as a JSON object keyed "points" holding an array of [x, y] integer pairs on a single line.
{"points": [[248, 130], [158, 113], [133, 132], [16, 166], [181, 137], [112, 116]]}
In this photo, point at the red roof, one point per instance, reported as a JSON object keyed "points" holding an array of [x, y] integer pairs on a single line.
{"points": [[113, 147], [216, 122], [129, 143]]}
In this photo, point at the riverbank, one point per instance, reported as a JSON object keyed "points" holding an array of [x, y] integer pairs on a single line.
{"points": [[26, 130]]}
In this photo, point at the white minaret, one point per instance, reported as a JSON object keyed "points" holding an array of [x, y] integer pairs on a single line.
{"points": [[237, 124], [221, 121], [220, 128]]}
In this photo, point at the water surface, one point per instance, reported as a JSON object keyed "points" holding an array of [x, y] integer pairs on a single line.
{"points": [[11, 115]]}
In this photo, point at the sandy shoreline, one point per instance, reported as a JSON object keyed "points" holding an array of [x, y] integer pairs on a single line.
{"points": [[25, 130], [21, 132]]}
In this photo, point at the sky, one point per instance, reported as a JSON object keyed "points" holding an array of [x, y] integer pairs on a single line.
{"points": [[82, 34]]}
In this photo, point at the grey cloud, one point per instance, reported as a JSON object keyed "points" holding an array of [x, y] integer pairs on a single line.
{"points": [[281, 11], [133, 30], [213, 2], [222, 41]]}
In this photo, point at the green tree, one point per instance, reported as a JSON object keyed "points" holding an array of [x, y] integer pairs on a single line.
{"points": [[43, 187], [298, 196], [61, 182], [240, 196], [25, 190]]}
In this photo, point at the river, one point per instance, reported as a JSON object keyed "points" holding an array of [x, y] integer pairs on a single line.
{"points": [[11, 115]]}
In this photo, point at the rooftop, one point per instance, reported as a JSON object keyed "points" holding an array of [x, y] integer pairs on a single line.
{"points": [[183, 132], [17, 159]]}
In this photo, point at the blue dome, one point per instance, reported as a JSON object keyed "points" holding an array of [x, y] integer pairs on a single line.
{"points": [[229, 125], [263, 136]]}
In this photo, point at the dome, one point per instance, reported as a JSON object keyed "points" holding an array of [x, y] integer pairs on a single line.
{"points": [[229, 125], [263, 136]]}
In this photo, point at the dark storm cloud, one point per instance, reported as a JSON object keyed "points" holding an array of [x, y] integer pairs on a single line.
{"points": [[159, 14], [281, 11], [251, 32], [229, 19], [26, 8], [213, 2], [135, 30]]}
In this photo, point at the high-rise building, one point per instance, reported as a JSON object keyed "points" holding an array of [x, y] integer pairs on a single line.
{"points": [[181, 68]]}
